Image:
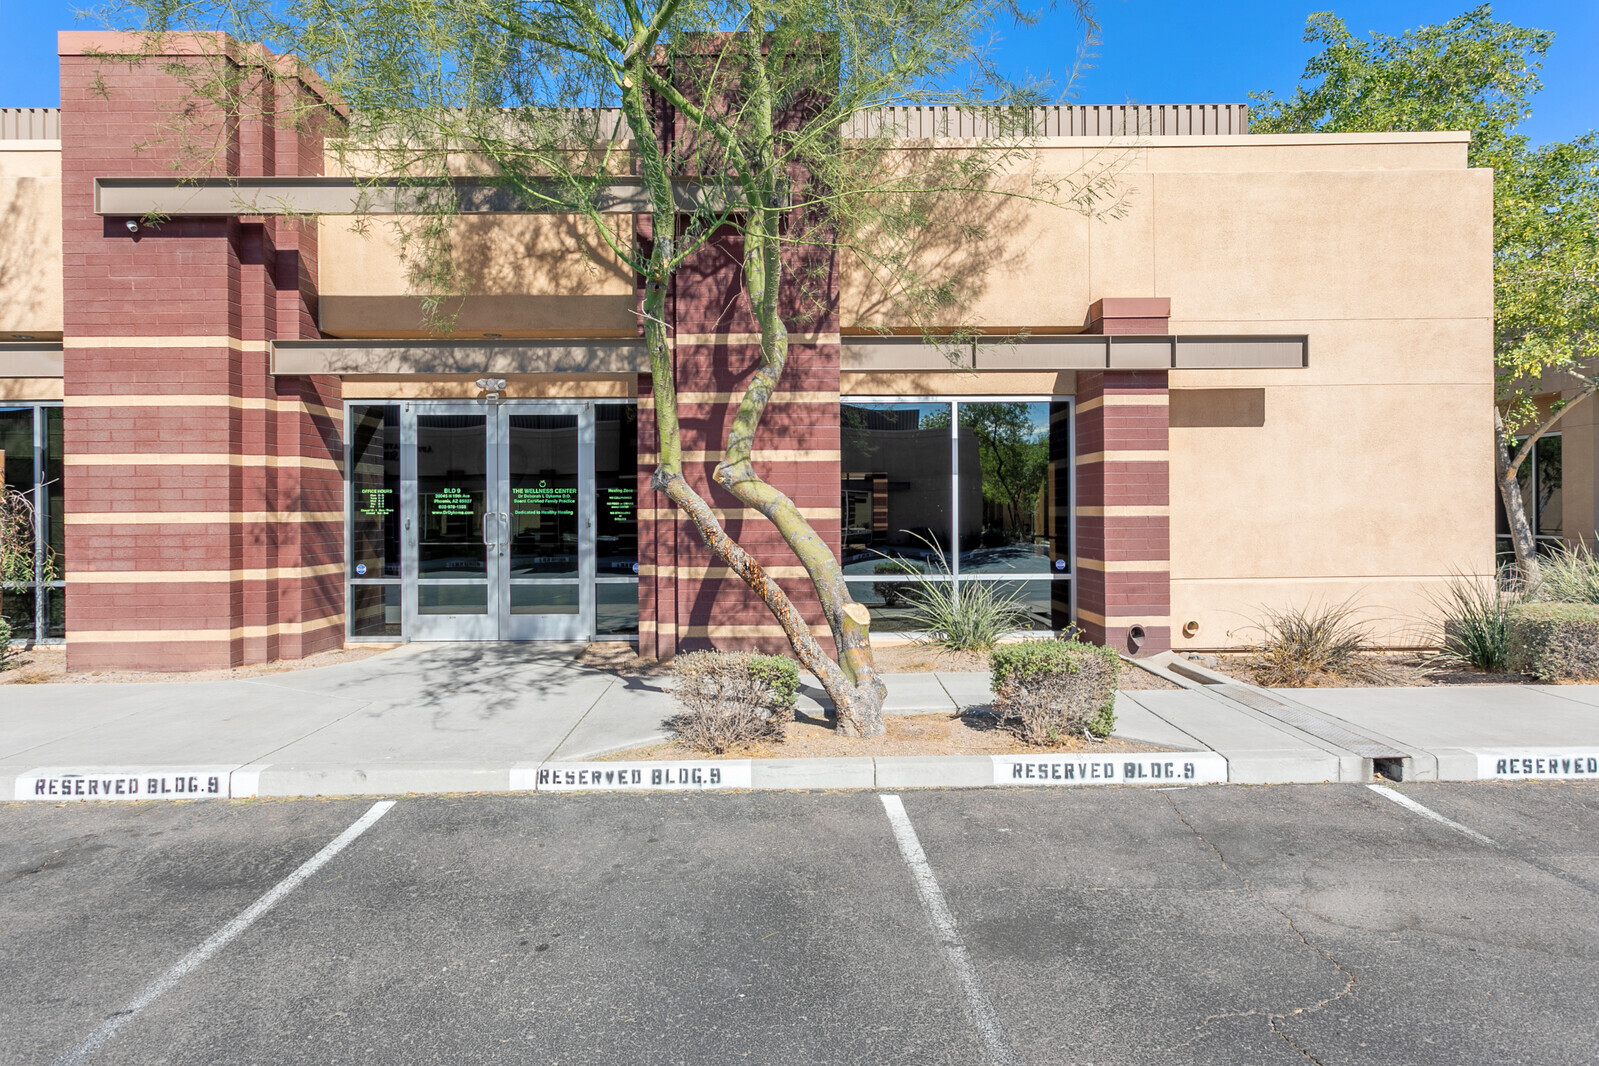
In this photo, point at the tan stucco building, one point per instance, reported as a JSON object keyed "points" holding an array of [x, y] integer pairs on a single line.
{"points": [[1265, 382]]}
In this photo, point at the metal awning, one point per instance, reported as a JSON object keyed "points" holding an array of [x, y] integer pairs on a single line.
{"points": [[1079, 351], [213, 197], [333, 356]]}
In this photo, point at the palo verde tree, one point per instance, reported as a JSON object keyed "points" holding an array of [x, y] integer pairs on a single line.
{"points": [[1478, 74], [728, 118], [20, 560]]}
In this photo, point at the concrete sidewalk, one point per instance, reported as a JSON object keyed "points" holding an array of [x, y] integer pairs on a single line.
{"points": [[465, 717], [420, 718]]}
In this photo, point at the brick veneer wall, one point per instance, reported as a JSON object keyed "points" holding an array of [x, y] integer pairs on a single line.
{"points": [[687, 599], [204, 522], [1123, 556]]}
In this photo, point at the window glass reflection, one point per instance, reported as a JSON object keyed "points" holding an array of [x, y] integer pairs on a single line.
{"points": [[616, 608], [54, 488], [1005, 487], [896, 486], [451, 483], [543, 480], [616, 488], [374, 491], [1551, 513]]}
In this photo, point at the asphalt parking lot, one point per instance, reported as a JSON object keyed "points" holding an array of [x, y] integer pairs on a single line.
{"points": [[1227, 924]]}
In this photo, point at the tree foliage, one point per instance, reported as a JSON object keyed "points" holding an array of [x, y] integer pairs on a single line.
{"points": [[1480, 74], [554, 101], [19, 556]]}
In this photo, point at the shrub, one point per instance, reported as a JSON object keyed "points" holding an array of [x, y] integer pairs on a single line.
{"points": [[732, 698], [1555, 641], [5, 645], [1476, 628], [1299, 644], [1047, 690], [1568, 575], [972, 618], [898, 593]]}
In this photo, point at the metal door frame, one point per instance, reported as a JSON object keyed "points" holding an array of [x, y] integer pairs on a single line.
{"points": [[497, 623], [579, 626], [443, 627]]}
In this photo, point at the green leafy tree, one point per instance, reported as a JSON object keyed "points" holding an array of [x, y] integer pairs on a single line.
{"points": [[783, 125], [20, 561], [1479, 74], [1014, 456]]}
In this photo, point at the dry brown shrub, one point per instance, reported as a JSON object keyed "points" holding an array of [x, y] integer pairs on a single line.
{"points": [[731, 698]]}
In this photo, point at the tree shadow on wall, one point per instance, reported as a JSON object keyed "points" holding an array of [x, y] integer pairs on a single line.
{"points": [[931, 262], [23, 284], [477, 276]]}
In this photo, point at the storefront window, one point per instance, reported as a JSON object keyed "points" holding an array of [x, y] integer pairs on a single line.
{"points": [[940, 494], [1542, 499], [374, 561], [616, 495], [30, 438], [896, 487], [1011, 520], [616, 489]]}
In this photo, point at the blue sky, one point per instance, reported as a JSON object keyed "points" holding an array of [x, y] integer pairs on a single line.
{"points": [[1151, 51]]}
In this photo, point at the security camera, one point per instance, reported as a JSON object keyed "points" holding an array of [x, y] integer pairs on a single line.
{"points": [[133, 225]]}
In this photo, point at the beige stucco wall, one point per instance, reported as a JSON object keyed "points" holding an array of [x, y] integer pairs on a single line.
{"points": [[529, 276], [1370, 477], [30, 239], [1366, 477]]}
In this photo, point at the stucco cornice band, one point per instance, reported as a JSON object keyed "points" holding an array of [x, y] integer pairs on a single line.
{"points": [[292, 462], [1154, 455], [323, 195], [579, 356], [198, 577], [194, 518], [189, 399], [1114, 618], [162, 636], [31, 359], [168, 342]]}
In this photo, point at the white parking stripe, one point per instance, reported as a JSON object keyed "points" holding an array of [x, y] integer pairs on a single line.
{"points": [[1427, 812], [154, 989], [988, 1028]]}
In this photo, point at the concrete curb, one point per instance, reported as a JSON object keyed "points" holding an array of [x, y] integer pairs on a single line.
{"points": [[813, 773], [265, 780], [935, 771]]}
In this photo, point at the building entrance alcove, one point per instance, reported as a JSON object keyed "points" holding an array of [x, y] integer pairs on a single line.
{"points": [[476, 521]]}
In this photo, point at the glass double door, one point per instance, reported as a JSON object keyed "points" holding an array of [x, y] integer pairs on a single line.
{"points": [[497, 518]]}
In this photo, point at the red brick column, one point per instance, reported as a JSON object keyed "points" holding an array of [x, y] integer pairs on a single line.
{"points": [[697, 602], [1123, 556], [203, 496]]}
